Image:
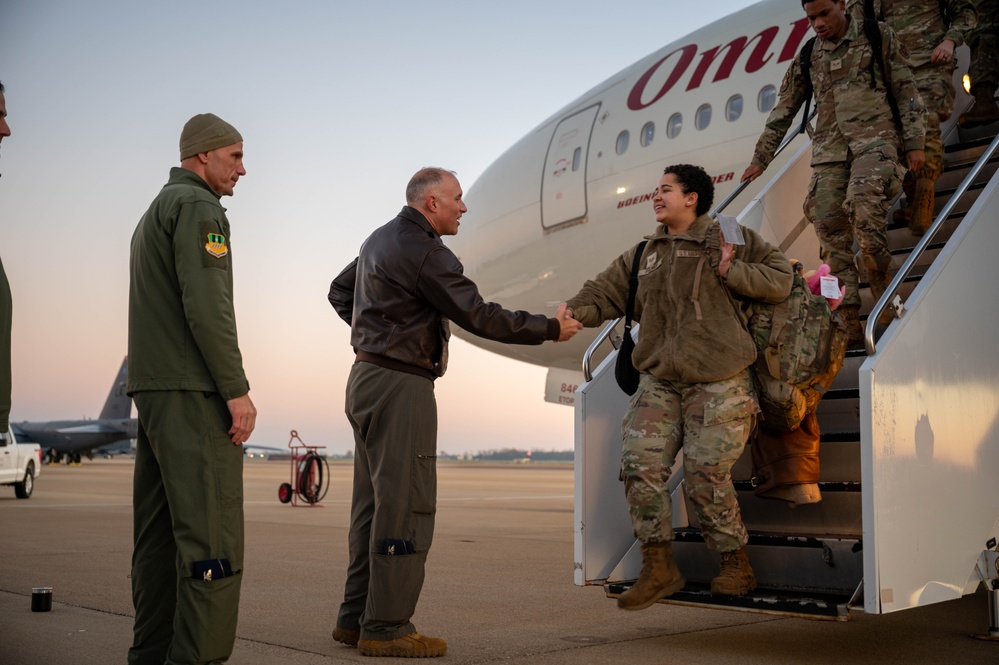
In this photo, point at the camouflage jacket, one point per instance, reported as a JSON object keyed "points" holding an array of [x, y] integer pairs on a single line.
{"points": [[921, 26], [851, 117], [691, 331]]}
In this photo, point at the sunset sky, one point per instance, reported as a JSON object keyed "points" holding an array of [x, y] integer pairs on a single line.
{"points": [[338, 103]]}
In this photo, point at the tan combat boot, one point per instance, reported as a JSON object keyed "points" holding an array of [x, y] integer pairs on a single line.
{"points": [[879, 280], [854, 331], [346, 636], [736, 576], [921, 210], [659, 578], [413, 645], [984, 112]]}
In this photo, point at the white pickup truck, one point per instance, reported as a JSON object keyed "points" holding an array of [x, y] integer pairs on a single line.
{"points": [[20, 464]]}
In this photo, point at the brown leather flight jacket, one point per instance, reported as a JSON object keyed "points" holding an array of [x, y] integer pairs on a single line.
{"points": [[405, 285]]}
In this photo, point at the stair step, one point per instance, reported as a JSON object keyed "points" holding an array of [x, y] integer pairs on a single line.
{"points": [[838, 514], [954, 173], [839, 462], [969, 149], [781, 562], [983, 133], [839, 413], [762, 601], [848, 377]]}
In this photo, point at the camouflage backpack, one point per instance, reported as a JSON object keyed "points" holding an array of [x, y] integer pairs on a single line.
{"points": [[800, 346]]}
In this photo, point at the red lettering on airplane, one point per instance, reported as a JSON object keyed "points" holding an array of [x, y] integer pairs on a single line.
{"points": [[733, 51], [757, 59], [799, 28], [687, 54], [624, 203]]}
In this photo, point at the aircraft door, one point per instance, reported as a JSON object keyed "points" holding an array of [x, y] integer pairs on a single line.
{"points": [[563, 184]]}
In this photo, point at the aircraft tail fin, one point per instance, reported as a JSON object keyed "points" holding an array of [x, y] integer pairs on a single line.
{"points": [[118, 404]]}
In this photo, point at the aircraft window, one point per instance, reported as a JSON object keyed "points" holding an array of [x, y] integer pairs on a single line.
{"points": [[648, 133], [674, 125], [577, 153], [703, 116], [733, 108], [767, 99], [622, 142]]}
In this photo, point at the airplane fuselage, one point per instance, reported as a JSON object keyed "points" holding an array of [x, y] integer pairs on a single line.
{"points": [[575, 193], [71, 436], [58, 437]]}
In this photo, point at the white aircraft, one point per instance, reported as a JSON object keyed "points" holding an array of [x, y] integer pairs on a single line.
{"points": [[573, 194]]}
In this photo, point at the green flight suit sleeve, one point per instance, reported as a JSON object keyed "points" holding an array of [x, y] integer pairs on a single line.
{"points": [[793, 91], [204, 273], [5, 329]]}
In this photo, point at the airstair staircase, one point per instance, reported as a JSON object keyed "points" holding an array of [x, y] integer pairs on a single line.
{"points": [[882, 432]]}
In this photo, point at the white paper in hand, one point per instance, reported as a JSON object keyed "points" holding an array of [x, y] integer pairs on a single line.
{"points": [[731, 230], [830, 287]]}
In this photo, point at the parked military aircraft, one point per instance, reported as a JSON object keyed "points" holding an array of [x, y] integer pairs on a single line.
{"points": [[75, 437]]}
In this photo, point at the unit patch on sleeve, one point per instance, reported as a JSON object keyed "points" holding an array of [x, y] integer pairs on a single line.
{"points": [[216, 245]]}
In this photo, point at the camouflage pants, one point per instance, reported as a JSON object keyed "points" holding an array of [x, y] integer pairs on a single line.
{"points": [[711, 422], [936, 86], [851, 199], [984, 44]]}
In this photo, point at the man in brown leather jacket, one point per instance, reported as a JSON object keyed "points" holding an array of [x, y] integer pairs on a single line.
{"points": [[398, 296]]}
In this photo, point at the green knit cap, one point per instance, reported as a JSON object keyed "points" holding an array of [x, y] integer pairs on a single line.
{"points": [[206, 132]]}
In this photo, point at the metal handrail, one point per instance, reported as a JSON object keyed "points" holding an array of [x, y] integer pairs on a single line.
{"points": [[898, 308], [587, 373], [606, 333]]}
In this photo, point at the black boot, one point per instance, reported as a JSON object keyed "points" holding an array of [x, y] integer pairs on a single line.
{"points": [[984, 112]]}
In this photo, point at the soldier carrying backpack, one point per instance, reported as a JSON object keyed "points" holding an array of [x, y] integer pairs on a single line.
{"points": [[929, 32], [801, 344], [857, 143]]}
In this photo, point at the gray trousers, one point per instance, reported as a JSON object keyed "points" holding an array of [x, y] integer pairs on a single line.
{"points": [[188, 508], [394, 416]]}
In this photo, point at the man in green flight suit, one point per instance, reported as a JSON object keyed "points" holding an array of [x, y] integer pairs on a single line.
{"points": [[185, 373]]}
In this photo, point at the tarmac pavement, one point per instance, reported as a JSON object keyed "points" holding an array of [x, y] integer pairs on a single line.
{"points": [[499, 584]]}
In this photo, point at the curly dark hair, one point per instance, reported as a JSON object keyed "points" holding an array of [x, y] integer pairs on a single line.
{"points": [[694, 179]]}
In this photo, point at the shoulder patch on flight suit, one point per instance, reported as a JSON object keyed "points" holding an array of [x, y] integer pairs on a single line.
{"points": [[216, 249], [216, 245]]}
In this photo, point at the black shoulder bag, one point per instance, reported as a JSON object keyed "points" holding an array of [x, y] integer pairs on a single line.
{"points": [[624, 369]]}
